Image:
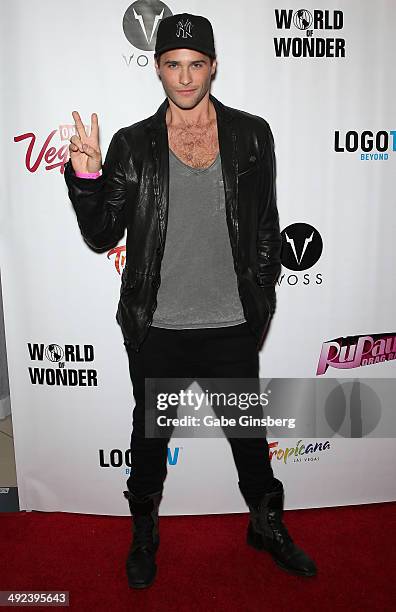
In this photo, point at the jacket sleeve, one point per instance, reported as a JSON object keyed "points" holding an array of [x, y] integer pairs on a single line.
{"points": [[269, 240], [100, 204]]}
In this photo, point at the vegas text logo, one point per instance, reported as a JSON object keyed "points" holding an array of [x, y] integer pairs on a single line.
{"points": [[59, 365], [304, 26], [52, 152]]}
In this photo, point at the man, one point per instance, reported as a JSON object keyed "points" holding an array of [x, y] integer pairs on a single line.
{"points": [[194, 185]]}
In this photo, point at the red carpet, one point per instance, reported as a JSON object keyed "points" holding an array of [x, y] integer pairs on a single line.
{"points": [[204, 562]]}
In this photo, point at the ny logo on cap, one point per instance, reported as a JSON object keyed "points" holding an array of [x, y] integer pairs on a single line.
{"points": [[183, 29]]}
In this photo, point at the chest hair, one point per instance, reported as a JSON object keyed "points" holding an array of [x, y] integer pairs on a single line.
{"points": [[195, 145]]}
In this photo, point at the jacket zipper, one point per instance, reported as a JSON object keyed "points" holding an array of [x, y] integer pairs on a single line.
{"points": [[156, 192], [235, 164]]}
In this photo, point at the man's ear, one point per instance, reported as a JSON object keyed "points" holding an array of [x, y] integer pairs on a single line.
{"points": [[214, 67]]}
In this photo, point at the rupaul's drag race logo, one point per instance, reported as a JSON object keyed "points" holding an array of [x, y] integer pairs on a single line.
{"points": [[356, 351]]}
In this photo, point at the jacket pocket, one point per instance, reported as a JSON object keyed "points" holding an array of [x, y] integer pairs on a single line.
{"points": [[256, 301], [249, 168], [128, 280]]}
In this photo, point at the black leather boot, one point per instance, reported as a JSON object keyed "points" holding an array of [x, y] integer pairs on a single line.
{"points": [[266, 531], [140, 566]]}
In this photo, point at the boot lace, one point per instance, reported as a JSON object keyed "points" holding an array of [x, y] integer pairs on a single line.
{"points": [[281, 534]]}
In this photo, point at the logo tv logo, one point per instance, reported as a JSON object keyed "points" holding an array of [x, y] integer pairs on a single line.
{"points": [[118, 458], [141, 20], [370, 145]]}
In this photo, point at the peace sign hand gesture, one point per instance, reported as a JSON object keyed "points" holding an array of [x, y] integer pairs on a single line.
{"points": [[84, 150]]}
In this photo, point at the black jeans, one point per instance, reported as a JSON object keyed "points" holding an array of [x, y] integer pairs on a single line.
{"points": [[222, 352]]}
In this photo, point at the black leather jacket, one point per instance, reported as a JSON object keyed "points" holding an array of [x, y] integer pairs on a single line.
{"points": [[132, 193]]}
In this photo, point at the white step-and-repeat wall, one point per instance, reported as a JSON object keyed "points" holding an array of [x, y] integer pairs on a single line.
{"points": [[324, 78]]}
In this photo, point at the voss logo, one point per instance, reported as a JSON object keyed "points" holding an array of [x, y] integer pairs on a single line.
{"points": [[304, 23], [140, 25], [56, 360], [302, 247]]}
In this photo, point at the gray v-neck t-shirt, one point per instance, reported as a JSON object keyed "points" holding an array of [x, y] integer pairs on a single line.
{"points": [[198, 282]]}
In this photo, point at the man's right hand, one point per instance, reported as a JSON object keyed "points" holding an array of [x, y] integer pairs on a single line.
{"points": [[85, 155]]}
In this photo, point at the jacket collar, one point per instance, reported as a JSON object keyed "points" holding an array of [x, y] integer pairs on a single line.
{"points": [[224, 113], [229, 162]]}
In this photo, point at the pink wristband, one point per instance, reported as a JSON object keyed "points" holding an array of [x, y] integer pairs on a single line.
{"points": [[88, 175]]}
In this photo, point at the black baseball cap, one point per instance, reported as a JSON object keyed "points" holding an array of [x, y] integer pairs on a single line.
{"points": [[185, 31]]}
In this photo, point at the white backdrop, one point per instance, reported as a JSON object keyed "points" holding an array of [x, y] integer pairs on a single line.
{"points": [[71, 441]]}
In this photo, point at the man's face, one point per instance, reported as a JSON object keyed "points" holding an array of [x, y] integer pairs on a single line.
{"points": [[185, 76]]}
